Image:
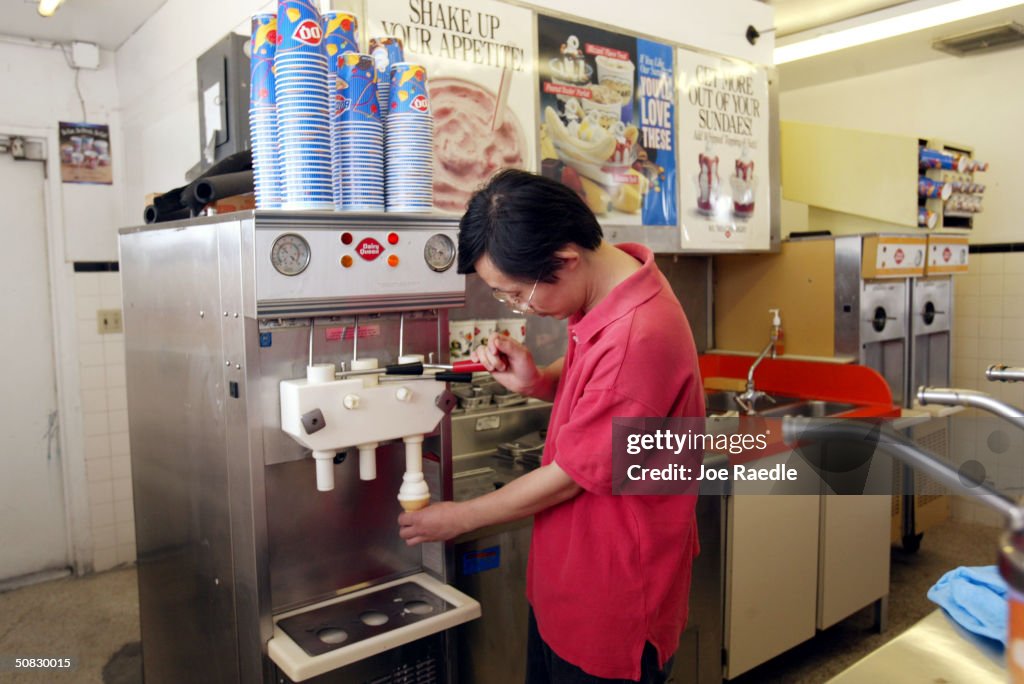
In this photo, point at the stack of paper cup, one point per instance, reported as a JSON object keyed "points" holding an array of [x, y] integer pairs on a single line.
{"points": [[360, 135], [460, 338], [303, 120], [266, 162], [340, 37], [408, 139], [386, 51], [512, 328]]}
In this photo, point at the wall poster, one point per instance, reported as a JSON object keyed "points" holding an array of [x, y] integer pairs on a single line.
{"points": [[723, 154], [85, 153], [479, 58], [607, 126]]}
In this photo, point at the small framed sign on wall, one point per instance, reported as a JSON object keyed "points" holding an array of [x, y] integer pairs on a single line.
{"points": [[85, 153]]}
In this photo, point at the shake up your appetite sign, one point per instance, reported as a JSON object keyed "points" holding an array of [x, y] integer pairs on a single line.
{"points": [[723, 153], [479, 58], [607, 126]]}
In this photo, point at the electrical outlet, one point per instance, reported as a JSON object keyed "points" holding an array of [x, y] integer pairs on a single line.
{"points": [[108, 321]]}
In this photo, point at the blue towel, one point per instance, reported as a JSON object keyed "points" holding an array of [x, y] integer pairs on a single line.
{"points": [[976, 599]]}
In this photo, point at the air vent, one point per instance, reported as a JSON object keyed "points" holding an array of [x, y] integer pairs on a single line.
{"points": [[999, 37]]}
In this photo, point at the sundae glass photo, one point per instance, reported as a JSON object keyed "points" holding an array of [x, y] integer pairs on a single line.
{"points": [[707, 181], [744, 185]]}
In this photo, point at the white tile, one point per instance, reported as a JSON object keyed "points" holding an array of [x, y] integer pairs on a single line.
{"points": [[119, 444], [990, 328], [94, 400], [93, 378], [992, 263], [90, 354], [1013, 307], [116, 376], [990, 307], [97, 446], [124, 511], [125, 553], [122, 488], [125, 532], [1013, 283], [111, 300], [87, 332], [966, 326], [990, 284], [117, 399], [86, 308], [101, 514], [94, 424], [121, 466], [965, 347], [104, 537], [99, 470], [110, 283], [965, 307], [86, 285], [113, 352], [104, 559], [1013, 329], [118, 422], [965, 285], [101, 492]]}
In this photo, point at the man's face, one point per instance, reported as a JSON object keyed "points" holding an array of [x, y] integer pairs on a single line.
{"points": [[546, 299]]}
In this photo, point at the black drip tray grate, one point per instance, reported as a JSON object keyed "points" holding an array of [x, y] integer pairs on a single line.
{"points": [[347, 622]]}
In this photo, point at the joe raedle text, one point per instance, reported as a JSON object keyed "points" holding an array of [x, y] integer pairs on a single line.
{"points": [[701, 473]]}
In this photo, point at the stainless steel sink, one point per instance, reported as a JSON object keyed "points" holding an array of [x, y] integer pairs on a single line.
{"points": [[814, 408], [716, 403]]}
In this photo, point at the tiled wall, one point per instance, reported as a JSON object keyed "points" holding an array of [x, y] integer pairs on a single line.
{"points": [[988, 327], [105, 422]]}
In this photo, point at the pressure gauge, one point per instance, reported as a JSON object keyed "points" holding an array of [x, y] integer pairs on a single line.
{"points": [[439, 252], [290, 254]]}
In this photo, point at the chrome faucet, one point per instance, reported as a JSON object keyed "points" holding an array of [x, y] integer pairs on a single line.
{"points": [[748, 400]]}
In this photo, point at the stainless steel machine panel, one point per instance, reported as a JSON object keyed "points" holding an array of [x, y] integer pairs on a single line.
{"points": [[931, 332]]}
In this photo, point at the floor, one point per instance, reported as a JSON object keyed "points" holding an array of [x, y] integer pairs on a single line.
{"points": [[95, 619]]}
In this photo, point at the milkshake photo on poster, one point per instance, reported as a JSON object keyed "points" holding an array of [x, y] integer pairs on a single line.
{"points": [[607, 126], [723, 153], [480, 80]]}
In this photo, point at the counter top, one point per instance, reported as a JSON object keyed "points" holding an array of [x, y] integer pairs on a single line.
{"points": [[934, 650]]}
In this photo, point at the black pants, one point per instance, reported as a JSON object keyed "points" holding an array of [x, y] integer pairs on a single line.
{"points": [[543, 666]]}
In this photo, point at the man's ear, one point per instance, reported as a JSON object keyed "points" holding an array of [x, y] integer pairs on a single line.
{"points": [[569, 257]]}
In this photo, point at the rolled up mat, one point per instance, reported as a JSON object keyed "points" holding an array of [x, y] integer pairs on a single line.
{"points": [[153, 214], [206, 190]]}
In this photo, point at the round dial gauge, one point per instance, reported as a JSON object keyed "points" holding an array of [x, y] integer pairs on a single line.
{"points": [[290, 254], [439, 252]]}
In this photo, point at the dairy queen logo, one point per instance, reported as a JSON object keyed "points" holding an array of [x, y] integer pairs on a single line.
{"points": [[947, 254], [308, 32], [898, 257], [369, 249], [419, 103]]}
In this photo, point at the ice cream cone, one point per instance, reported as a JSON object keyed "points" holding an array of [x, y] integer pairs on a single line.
{"points": [[410, 505]]}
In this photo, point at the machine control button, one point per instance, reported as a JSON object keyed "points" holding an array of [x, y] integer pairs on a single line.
{"points": [[351, 401], [393, 260], [346, 261], [346, 238], [313, 421], [392, 238], [403, 394]]}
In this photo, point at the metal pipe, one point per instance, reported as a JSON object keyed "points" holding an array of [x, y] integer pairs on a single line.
{"points": [[948, 396], [1004, 373], [798, 428]]}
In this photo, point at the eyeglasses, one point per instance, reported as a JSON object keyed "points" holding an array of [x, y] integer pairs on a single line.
{"points": [[512, 301]]}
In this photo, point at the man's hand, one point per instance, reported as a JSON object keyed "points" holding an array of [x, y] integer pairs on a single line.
{"points": [[510, 363], [436, 522]]}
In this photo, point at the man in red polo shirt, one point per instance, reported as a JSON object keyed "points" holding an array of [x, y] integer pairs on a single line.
{"points": [[608, 577]]}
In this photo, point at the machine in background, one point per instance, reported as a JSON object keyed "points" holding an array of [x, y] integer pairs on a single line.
{"points": [[256, 562]]}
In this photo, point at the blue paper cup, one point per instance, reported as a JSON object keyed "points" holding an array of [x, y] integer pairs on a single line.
{"points": [[299, 27], [341, 35], [263, 46], [408, 89]]}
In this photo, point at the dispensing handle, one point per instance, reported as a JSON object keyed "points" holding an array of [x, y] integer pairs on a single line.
{"points": [[445, 376], [468, 367], [414, 368]]}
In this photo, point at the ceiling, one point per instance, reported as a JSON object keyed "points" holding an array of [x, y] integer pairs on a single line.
{"points": [[892, 53], [107, 23], [793, 16]]}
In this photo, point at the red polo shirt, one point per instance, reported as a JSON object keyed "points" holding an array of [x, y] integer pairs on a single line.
{"points": [[609, 573]]}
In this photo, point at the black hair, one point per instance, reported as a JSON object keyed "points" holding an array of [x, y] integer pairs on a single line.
{"points": [[519, 220]]}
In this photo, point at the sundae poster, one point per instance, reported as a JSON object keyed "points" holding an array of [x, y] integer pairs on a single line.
{"points": [[480, 75], [723, 153], [607, 126], [85, 153]]}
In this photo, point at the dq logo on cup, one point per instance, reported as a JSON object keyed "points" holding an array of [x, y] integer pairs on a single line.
{"points": [[357, 82], [298, 26], [408, 89]]}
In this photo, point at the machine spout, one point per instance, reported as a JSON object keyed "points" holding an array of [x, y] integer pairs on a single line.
{"points": [[324, 470], [414, 493], [368, 461]]}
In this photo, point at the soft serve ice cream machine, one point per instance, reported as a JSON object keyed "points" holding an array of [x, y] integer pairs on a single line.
{"points": [[286, 402]]}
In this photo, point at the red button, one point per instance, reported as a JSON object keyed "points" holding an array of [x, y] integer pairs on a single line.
{"points": [[346, 238], [393, 260], [392, 238]]}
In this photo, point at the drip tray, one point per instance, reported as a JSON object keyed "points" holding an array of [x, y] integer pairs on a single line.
{"points": [[324, 637], [342, 624]]}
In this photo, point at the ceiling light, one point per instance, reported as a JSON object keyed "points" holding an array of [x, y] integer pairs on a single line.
{"points": [[885, 26], [48, 7]]}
